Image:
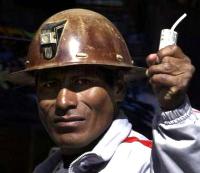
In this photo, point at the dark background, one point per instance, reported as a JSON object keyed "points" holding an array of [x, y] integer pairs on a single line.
{"points": [[23, 141]]}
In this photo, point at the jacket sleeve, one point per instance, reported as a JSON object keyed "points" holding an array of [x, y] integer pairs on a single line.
{"points": [[176, 141]]}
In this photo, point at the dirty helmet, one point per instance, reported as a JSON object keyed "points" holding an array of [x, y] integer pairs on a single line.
{"points": [[78, 37]]}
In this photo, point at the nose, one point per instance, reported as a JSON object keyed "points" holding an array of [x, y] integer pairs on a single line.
{"points": [[65, 101]]}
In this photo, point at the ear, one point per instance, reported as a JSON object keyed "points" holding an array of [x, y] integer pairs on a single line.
{"points": [[119, 90]]}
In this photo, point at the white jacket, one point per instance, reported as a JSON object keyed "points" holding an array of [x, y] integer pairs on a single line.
{"points": [[176, 148]]}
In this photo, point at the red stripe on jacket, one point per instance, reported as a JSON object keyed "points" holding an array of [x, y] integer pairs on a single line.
{"points": [[147, 143]]}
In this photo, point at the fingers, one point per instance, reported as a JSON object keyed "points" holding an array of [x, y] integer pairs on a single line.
{"points": [[169, 80], [171, 84], [170, 60], [173, 51], [163, 80], [172, 66], [169, 72], [169, 51], [175, 84]]}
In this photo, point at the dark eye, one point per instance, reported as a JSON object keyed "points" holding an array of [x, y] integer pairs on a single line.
{"points": [[50, 84], [82, 83]]}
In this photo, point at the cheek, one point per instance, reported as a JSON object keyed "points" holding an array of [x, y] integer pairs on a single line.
{"points": [[101, 115], [44, 111], [100, 100], [43, 107]]}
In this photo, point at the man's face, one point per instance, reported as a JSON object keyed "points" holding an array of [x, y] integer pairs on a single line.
{"points": [[76, 105]]}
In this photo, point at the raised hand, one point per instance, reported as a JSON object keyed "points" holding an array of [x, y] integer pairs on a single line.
{"points": [[170, 72]]}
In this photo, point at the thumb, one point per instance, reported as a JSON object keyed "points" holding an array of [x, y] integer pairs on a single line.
{"points": [[152, 59]]}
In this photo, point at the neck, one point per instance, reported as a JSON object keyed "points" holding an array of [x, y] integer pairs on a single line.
{"points": [[69, 155], [75, 152]]}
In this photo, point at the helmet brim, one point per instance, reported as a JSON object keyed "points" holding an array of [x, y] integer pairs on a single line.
{"points": [[26, 77], [21, 78]]}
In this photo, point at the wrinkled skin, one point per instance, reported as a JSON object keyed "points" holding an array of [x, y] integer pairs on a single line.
{"points": [[170, 72], [76, 106]]}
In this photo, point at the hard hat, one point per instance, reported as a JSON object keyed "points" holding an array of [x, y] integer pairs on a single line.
{"points": [[78, 37]]}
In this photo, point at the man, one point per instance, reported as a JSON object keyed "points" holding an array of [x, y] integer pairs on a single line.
{"points": [[80, 63]]}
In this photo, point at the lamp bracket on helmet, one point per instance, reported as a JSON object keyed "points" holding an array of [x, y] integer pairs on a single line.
{"points": [[49, 38]]}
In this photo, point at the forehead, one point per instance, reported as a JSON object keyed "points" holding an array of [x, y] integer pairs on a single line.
{"points": [[73, 71]]}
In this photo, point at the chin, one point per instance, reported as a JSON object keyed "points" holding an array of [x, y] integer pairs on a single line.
{"points": [[70, 141]]}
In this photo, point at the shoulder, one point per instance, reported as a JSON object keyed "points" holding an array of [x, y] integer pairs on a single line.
{"points": [[137, 141], [50, 162], [134, 153], [196, 111], [135, 145]]}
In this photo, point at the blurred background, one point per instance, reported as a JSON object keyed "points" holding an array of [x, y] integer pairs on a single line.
{"points": [[23, 141]]}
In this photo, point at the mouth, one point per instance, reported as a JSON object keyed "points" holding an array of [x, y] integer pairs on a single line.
{"points": [[69, 122]]}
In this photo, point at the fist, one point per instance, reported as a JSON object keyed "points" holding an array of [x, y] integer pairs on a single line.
{"points": [[170, 72]]}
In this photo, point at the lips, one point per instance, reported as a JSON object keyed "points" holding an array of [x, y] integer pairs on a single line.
{"points": [[70, 118], [68, 122]]}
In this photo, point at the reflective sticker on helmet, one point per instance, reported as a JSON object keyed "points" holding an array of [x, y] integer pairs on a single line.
{"points": [[50, 37]]}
